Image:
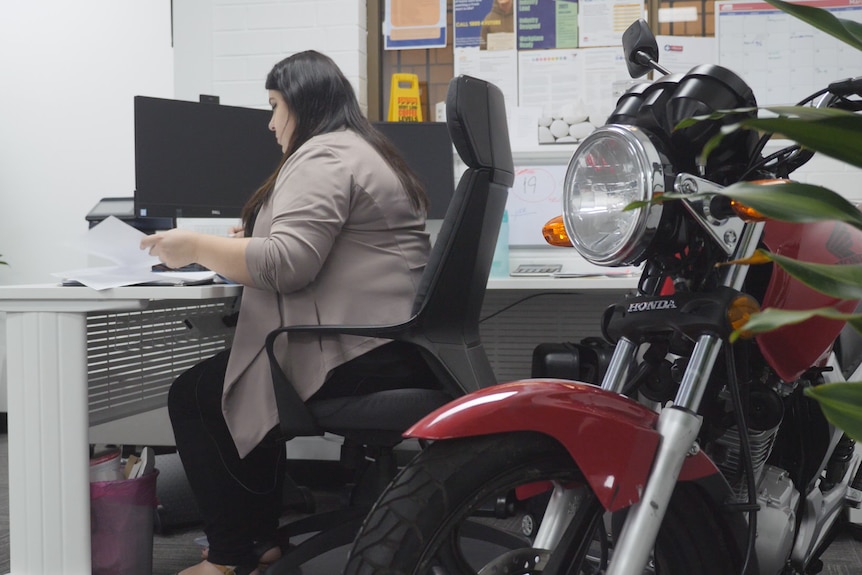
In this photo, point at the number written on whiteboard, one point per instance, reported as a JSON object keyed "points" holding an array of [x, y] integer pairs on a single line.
{"points": [[535, 198]]}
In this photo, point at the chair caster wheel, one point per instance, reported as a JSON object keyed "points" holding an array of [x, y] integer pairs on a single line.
{"points": [[528, 525]]}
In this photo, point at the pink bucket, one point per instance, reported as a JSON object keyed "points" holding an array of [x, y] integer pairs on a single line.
{"points": [[121, 525]]}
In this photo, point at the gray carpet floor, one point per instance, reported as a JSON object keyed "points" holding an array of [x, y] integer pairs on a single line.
{"points": [[178, 550]]}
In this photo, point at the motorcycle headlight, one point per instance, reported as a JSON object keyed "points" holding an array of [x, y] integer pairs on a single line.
{"points": [[612, 167]]}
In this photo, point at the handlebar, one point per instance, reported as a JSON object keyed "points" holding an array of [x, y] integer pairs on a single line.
{"points": [[846, 87]]}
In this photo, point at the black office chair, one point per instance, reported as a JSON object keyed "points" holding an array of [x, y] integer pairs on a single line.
{"points": [[444, 326]]}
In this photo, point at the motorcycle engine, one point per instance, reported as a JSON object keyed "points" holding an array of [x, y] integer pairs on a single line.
{"points": [[777, 497], [765, 412], [776, 519]]}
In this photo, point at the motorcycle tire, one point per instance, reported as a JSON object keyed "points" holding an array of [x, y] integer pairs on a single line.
{"points": [[417, 525]]}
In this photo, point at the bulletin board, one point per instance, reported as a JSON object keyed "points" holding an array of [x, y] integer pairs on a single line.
{"points": [[782, 58], [535, 197]]}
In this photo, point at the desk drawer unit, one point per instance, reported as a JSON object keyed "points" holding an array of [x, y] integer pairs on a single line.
{"points": [[132, 357]]}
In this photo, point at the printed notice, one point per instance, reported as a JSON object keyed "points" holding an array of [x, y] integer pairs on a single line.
{"points": [[602, 22], [547, 25], [415, 24]]}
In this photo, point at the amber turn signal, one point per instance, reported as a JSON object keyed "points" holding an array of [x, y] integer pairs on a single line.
{"points": [[749, 214], [740, 311], [555, 234], [746, 213]]}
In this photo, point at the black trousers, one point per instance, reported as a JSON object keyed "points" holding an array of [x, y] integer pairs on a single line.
{"points": [[240, 499]]}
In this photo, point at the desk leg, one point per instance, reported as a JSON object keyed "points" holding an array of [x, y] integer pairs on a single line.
{"points": [[49, 496]]}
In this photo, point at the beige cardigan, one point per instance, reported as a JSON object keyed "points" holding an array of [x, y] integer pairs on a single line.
{"points": [[337, 243]]}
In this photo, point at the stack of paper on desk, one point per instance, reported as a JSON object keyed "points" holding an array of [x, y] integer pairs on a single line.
{"points": [[118, 242]]}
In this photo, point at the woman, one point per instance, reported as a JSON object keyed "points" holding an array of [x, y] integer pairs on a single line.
{"points": [[334, 236]]}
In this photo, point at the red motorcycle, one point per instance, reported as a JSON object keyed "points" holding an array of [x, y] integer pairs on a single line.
{"points": [[694, 455]]}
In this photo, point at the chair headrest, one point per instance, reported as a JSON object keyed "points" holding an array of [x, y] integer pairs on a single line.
{"points": [[476, 117]]}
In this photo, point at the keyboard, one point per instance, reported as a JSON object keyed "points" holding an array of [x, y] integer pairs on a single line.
{"points": [[536, 270], [213, 226]]}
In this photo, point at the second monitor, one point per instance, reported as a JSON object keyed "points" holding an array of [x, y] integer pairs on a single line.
{"points": [[427, 149]]}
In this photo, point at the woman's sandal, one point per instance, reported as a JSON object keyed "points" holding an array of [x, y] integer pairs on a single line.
{"points": [[264, 548]]}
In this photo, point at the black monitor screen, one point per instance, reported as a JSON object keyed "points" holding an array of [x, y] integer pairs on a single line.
{"points": [[199, 160], [427, 149], [204, 160]]}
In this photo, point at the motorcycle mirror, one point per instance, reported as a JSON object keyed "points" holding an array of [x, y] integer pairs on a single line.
{"points": [[641, 50]]}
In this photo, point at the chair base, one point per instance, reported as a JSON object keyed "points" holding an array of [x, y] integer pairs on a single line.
{"points": [[325, 533]]}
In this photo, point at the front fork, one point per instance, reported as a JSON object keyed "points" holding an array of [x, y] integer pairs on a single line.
{"points": [[678, 427]]}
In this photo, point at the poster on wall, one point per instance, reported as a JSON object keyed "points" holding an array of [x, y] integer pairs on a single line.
{"points": [[414, 24], [682, 53], [484, 24], [547, 25], [606, 78], [575, 90], [485, 43], [549, 80], [602, 22]]}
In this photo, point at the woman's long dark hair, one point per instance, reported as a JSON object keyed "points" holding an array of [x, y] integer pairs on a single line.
{"points": [[321, 100]]}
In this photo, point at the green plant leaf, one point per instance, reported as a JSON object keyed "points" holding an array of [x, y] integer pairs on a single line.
{"points": [[788, 201], [845, 30], [717, 115], [839, 281], [772, 318], [837, 136], [809, 114], [793, 202], [842, 405], [813, 128], [715, 141]]}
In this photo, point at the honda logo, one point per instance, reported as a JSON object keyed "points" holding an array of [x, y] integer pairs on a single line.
{"points": [[651, 305]]}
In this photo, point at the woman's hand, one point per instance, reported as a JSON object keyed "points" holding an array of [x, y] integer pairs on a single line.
{"points": [[174, 248], [235, 232]]}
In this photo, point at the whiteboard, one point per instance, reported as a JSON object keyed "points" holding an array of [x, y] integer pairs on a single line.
{"points": [[782, 58], [536, 197]]}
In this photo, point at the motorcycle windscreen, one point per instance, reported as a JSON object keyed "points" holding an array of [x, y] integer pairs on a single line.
{"points": [[792, 350]]}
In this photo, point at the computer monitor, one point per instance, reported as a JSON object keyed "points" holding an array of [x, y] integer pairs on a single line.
{"points": [[203, 160], [197, 160], [427, 149]]}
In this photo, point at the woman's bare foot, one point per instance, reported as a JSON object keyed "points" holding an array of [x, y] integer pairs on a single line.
{"points": [[269, 557]]}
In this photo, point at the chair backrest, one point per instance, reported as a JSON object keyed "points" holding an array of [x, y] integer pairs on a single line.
{"points": [[450, 295]]}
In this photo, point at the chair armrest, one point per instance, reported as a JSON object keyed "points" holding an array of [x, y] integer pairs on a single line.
{"points": [[390, 331], [294, 417]]}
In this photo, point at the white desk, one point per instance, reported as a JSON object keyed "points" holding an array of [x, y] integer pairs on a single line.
{"points": [[46, 327], [47, 353], [618, 284]]}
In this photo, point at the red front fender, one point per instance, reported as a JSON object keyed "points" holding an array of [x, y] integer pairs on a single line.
{"points": [[611, 438]]}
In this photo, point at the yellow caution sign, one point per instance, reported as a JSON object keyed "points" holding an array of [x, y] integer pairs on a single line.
{"points": [[404, 104]]}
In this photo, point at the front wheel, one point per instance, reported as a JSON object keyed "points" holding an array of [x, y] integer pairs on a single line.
{"points": [[437, 517]]}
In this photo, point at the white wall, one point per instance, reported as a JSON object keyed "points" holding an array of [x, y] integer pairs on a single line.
{"points": [[837, 176], [227, 47], [69, 74]]}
